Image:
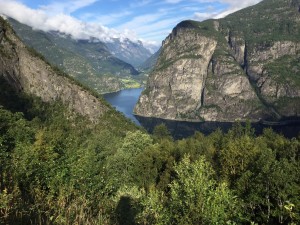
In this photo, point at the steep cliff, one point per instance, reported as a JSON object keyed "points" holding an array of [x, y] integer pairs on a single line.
{"points": [[245, 66], [88, 61], [28, 73]]}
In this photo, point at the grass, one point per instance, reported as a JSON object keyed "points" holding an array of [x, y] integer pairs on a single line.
{"points": [[130, 83], [81, 59], [264, 23], [285, 70]]}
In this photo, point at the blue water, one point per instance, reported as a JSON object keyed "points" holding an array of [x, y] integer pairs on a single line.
{"points": [[124, 101]]}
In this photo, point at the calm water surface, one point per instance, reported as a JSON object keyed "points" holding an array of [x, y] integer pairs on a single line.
{"points": [[124, 101]]}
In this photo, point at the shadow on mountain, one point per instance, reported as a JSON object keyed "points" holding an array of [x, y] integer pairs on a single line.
{"points": [[180, 129]]}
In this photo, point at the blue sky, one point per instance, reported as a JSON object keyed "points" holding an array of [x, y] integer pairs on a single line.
{"points": [[147, 20]]}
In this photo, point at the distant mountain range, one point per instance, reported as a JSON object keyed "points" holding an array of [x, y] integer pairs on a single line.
{"points": [[128, 51], [149, 64], [104, 67]]}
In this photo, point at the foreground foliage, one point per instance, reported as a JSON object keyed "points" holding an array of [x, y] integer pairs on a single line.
{"points": [[58, 169]]}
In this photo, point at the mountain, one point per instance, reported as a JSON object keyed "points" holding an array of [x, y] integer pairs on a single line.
{"points": [[244, 66], [28, 73], [149, 64], [88, 61], [128, 51], [67, 157]]}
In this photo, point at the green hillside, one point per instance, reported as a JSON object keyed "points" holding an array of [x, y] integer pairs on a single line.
{"points": [[60, 167], [89, 62]]}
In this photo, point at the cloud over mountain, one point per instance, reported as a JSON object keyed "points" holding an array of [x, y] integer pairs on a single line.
{"points": [[147, 20], [64, 23]]}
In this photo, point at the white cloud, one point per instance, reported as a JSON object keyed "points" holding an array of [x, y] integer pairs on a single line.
{"points": [[140, 3], [109, 19], [154, 25], [225, 13], [67, 6], [242, 3], [234, 5], [231, 2], [203, 16], [143, 20], [22, 13], [152, 46], [173, 1], [39, 19]]}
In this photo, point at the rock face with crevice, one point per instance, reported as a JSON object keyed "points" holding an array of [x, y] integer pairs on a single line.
{"points": [[28, 73], [245, 66]]}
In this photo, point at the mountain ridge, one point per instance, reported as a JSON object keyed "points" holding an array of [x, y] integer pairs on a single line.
{"points": [[26, 72], [149, 64], [227, 69], [133, 53], [88, 61]]}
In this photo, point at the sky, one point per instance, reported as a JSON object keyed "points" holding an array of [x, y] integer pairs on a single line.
{"points": [[147, 20]]}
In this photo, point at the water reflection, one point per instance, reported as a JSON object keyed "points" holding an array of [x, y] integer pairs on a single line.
{"points": [[125, 100], [181, 130]]}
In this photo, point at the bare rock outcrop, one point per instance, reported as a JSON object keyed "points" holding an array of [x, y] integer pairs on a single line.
{"points": [[245, 66], [27, 72]]}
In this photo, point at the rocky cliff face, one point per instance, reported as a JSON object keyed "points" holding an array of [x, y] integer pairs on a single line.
{"points": [[26, 72], [133, 53], [245, 66], [88, 61]]}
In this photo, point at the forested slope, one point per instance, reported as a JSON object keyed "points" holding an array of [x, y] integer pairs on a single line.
{"points": [[88, 61], [56, 170], [62, 166]]}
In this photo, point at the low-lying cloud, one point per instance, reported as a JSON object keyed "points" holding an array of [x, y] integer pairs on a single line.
{"points": [[155, 25], [39, 19], [234, 5]]}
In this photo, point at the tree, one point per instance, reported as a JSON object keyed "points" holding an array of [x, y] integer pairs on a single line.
{"points": [[195, 197], [160, 132], [235, 156], [270, 182], [120, 166]]}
